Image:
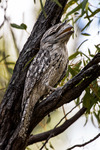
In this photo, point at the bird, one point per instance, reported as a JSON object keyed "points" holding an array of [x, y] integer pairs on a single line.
{"points": [[46, 70]]}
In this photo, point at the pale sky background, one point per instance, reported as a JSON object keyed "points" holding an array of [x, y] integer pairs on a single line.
{"points": [[20, 11]]}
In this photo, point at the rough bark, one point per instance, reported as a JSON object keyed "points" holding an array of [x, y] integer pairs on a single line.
{"points": [[11, 104]]}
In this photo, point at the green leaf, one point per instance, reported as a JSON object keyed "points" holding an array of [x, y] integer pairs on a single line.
{"points": [[90, 53], [87, 6], [27, 148], [93, 121], [34, 1], [43, 8], [86, 34], [87, 24], [77, 101], [73, 55], [97, 116], [1, 37], [4, 58], [84, 5], [81, 44], [51, 146], [81, 53], [86, 119], [95, 12], [28, 63], [91, 97], [10, 63], [10, 70], [87, 99], [24, 26], [21, 26], [98, 48], [57, 2], [77, 66], [75, 9], [48, 120], [71, 2], [72, 71], [84, 62]]}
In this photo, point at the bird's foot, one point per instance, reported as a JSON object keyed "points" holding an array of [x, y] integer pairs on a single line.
{"points": [[50, 88]]}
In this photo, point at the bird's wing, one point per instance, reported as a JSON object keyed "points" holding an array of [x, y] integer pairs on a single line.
{"points": [[63, 74], [38, 66]]}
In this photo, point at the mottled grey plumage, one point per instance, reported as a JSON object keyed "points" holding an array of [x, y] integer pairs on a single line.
{"points": [[46, 70]]}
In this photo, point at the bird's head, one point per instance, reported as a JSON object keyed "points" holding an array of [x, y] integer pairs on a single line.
{"points": [[59, 33]]}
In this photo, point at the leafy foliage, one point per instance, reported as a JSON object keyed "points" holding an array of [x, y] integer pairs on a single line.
{"points": [[6, 70], [91, 98], [76, 9]]}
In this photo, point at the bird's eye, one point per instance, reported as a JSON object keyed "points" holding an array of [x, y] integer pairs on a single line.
{"points": [[55, 31], [51, 34]]}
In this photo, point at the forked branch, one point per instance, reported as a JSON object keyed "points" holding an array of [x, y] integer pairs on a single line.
{"points": [[54, 132], [71, 90]]}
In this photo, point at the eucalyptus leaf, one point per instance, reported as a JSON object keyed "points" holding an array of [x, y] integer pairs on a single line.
{"points": [[21, 26], [95, 12], [10, 70], [87, 24], [86, 34], [75, 9], [41, 3], [57, 2], [4, 58], [72, 71], [51, 146], [73, 55], [84, 5], [82, 44], [48, 120]]}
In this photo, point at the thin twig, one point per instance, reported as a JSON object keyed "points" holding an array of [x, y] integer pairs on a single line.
{"points": [[84, 144], [64, 112], [57, 125]]}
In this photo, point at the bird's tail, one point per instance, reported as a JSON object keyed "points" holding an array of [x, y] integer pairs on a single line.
{"points": [[27, 115]]}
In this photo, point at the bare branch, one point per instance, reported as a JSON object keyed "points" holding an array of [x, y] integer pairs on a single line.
{"points": [[32, 136], [56, 131], [84, 144]]}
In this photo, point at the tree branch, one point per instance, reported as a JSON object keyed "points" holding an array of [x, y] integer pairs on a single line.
{"points": [[71, 90], [56, 131], [84, 144]]}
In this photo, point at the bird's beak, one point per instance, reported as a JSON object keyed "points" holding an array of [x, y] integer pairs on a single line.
{"points": [[64, 33], [68, 30]]}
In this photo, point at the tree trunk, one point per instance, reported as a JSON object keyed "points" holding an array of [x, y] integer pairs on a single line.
{"points": [[11, 104]]}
